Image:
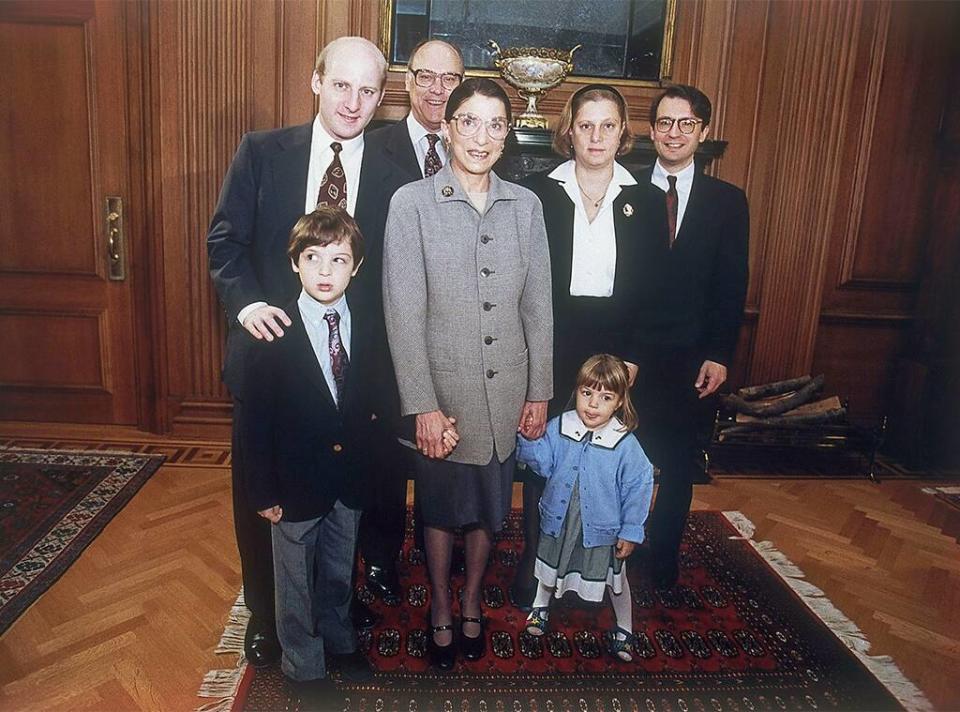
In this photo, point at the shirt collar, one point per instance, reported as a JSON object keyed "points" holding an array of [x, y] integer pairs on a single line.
{"points": [[417, 130], [566, 172], [323, 139], [313, 311], [606, 437], [684, 177]]}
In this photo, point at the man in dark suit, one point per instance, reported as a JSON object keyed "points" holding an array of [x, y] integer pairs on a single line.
{"points": [[276, 177], [688, 305], [406, 151]]}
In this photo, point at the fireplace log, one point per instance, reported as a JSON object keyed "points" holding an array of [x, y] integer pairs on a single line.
{"points": [[777, 388], [778, 406], [834, 415]]}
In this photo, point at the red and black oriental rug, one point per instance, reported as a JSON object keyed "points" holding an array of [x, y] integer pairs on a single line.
{"points": [[742, 631], [53, 503]]}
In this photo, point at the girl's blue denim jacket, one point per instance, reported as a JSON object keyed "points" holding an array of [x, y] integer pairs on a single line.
{"points": [[616, 478]]}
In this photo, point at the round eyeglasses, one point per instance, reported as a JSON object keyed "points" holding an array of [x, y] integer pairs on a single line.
{"points": [[426, 78], [468, 125], [686, 126]]}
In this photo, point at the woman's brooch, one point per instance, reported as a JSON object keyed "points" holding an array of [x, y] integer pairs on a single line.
{"points": [[628, 210]]}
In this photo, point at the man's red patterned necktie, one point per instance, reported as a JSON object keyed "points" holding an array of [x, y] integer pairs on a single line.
{"points": [[333, 185]]}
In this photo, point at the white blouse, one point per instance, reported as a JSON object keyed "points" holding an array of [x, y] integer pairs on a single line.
{"points": [[594, 244]]}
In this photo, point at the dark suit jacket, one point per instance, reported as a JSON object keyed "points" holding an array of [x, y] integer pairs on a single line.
{"points": [[637, 229], [398, 165], [263, 195], [692, 296], [300, 450]]}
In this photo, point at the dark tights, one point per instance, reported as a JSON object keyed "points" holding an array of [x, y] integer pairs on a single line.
{"points": [[439, 548]]}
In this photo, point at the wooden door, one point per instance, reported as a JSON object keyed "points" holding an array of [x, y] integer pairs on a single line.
{"points": [[66, 319]]}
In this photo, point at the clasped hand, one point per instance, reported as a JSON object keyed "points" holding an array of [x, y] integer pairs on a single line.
{"points": [[437, 434]]}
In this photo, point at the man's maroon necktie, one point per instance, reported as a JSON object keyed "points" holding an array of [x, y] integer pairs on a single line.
{"points": [[333, 185], [672, 205], [431, 163], [338, 355]]}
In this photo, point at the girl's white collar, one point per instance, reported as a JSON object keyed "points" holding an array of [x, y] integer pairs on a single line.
{"points": [[607, 437]]}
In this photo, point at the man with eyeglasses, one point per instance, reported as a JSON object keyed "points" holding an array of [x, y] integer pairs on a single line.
{"points": [[412, 147], [689, 298], [406, 151]]}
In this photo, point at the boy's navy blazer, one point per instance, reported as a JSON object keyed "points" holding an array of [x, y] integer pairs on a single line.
{"points": [[299, 450], [262, 197]]}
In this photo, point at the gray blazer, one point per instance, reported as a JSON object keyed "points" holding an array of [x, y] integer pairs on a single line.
{"points": [[468, 308]]}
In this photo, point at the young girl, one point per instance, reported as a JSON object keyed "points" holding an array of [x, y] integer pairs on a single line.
{"points": [[599, 484]]}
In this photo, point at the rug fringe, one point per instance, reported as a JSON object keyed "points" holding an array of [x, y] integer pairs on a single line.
{"points": [[881, 667], [222, 684], [741, 524], [232, 639]]}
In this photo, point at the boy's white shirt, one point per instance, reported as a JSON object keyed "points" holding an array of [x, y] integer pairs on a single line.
{"points": [[607, 436]]}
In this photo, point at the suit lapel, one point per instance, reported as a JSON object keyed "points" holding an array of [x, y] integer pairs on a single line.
{"points": [[357, 350], [561, 248], [302, 357], [290, 167], [693, 213], [400, 152]]}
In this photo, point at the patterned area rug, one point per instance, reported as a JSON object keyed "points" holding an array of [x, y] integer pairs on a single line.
{"points": [[742, 631], [53, 503]]}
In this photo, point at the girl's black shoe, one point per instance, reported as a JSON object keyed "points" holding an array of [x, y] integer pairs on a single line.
{"points": [[442, 657], [472, 648]]}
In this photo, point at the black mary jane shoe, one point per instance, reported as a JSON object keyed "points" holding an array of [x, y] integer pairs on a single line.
{"points": [[472, 648], [442, 657]]}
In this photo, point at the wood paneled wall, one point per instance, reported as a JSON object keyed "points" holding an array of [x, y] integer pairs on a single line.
{"points": [[831, 111]]}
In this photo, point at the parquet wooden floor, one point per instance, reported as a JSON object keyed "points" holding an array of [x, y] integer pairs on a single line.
{"points": [[133, 624]]}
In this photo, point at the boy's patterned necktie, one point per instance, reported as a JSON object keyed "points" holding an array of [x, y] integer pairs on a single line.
{"points": [[338, 355], [431, 163], [672, 207], [333, 185]]}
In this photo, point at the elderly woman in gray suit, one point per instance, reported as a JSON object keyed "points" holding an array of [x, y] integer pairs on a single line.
{"points": [[467, 301]]}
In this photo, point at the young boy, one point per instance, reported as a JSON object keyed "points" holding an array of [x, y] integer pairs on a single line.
{"points": [[306, 439]]}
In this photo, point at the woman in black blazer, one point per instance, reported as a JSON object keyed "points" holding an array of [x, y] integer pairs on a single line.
{"points": [[599, 222]]}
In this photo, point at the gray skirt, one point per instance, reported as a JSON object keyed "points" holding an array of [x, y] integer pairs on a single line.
{"points": [[565, 564], [451, 494]]}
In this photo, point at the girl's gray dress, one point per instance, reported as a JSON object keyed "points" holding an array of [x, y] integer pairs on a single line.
{"points": [[563, 561]]}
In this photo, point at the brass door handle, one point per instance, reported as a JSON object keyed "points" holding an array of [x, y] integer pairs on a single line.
{"points": [[113, 225]]}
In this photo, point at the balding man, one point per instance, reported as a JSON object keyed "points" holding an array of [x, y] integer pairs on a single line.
{"points": [[276, 177], [407, 151]]}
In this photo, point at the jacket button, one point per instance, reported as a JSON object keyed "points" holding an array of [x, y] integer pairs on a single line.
{"points": [[491, 373], [486, 272], [487, 306], [488, 340], [485, 239], [337, 447]]}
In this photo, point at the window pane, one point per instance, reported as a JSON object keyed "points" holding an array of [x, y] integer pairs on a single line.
{"points": [[620, 38]]}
